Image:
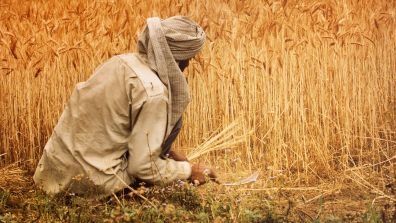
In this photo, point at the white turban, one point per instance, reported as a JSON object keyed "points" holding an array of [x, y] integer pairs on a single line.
{"points": [[164, 42], [185, 38]]}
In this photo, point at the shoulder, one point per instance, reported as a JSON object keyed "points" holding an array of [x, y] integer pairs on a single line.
{"points": [[132, 59], [127, 59], [148, 79]]}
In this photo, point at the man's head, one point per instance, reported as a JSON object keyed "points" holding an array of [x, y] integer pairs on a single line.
{"points": [[169, 44], [184, 38]]}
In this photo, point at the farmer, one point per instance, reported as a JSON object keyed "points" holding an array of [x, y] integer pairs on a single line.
{"points": [[118, 126]]}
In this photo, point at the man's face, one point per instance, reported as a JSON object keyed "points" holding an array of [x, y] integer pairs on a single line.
{"points": [[183, 64]]}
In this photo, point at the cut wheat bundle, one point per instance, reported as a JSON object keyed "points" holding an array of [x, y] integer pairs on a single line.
{"points": [[228, 138], [232, 135]]}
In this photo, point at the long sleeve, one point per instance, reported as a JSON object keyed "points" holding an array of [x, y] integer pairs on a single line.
{"points": [[149, 122]]}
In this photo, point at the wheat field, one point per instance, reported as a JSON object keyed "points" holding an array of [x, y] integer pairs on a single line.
{"points": [[311, 83]]}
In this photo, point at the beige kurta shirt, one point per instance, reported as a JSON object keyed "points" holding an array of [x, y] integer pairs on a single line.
{"points": [[114, 124]]}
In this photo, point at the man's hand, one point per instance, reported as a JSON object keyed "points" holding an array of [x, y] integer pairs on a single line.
{"points": [[176, 156], [200, 174]]}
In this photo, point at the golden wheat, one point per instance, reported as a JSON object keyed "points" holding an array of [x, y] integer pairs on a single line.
{"points": [[313, 79]]}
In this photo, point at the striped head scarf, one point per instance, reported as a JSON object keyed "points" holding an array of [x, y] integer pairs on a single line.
{"points": [[164, 42]]}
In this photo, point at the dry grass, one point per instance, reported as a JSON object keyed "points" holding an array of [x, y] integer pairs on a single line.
{"points": [[314, 81], [13, 179]]}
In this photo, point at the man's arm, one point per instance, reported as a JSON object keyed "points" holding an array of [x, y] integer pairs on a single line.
{"points": [[145, 148], [200, 173]]}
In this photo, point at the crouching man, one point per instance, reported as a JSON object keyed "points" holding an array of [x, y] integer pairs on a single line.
{"points": [[119, 125]]}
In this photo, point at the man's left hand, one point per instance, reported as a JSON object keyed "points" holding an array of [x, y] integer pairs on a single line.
{"points": [[177, 156]]}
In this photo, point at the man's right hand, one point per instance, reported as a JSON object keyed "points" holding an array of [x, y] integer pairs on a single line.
{"points": [[200, 174]]}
